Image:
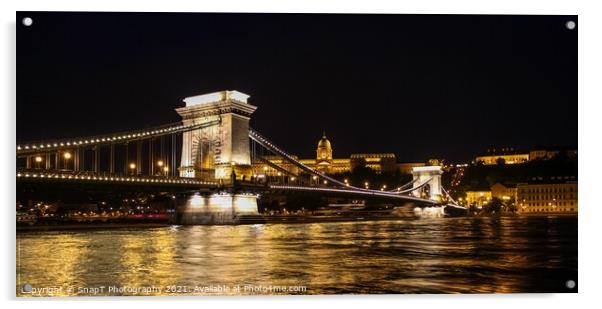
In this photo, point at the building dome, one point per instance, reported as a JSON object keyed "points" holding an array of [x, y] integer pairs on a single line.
{"points": [[324, 143], [324, 150]]}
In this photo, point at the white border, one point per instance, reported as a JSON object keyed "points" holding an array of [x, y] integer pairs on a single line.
{"points": [[589, 27]]}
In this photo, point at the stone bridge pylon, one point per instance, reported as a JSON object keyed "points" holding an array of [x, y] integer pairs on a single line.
{"points": [[214, 152], [429, 177]]}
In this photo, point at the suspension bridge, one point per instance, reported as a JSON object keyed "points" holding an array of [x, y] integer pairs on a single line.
{"points": [[210, 155]]}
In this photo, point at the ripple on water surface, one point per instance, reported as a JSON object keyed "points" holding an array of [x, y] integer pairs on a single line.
{"points": [[440, 255]]}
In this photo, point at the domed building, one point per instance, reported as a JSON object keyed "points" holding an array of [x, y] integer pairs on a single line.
{"points": [[323, 154], [326, 163]]}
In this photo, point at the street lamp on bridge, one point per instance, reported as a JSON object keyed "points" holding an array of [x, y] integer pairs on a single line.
{"points": [[66, 158], [160, 164], [38, 160]]}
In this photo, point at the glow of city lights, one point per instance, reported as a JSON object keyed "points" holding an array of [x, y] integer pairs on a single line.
{"points": [[67, 155], [160, 163], [132, 166], [38, 159]]}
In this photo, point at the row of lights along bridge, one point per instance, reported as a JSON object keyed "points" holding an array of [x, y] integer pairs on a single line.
{"points": [[132, 166]]}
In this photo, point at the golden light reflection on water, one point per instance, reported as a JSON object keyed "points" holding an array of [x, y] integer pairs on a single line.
{"points": [[67, 255], [463, 255]]}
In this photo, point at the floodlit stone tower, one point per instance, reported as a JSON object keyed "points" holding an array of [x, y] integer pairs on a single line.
{"points": [[430, 174], [217, 151]]}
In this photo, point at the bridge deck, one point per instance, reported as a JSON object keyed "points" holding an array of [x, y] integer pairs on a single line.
{"points": [[83, 177]]}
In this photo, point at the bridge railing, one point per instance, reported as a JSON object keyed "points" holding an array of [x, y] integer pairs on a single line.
{"points": [[66, 175]]}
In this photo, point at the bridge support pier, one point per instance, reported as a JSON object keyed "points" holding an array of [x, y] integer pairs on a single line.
{"points": [[215, 209]]}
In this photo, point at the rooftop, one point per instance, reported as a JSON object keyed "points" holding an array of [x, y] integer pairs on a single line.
{"points": [[215, 97], [372, 155]]}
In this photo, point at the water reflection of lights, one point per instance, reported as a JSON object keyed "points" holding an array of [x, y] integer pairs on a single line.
{"points": [[196, 201], [467, 255]]}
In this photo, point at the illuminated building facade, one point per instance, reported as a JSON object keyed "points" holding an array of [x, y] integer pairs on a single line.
{"points": [[511, 156], [478, 197], [538, 154], [379, 162], [508, 154], [549, 153], [503, 192], [407, 167], [553, 196], [326, 163]]}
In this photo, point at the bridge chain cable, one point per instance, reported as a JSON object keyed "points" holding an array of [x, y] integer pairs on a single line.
{"points": [[275, 166], [400, 188], [356, 192], [121, 137], [263, 141], [448, 196], [415, 188], [254, 135]]}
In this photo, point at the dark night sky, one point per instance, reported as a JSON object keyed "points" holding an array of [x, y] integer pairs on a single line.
{"points": [[420, 86]]}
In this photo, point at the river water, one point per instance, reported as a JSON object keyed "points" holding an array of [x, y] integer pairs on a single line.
{"points": [[436, 255]]}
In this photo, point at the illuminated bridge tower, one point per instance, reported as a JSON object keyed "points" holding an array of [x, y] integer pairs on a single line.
{"points": [[431, 175], [214, 152]]}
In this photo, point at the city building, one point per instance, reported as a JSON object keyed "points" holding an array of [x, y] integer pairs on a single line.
{"points": [[407, 167], [554, 195], [512, 156], [275, 166], [508, 154], [541, 153], [478, 197], [504, 192], [326, 163], [379, 162]]}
